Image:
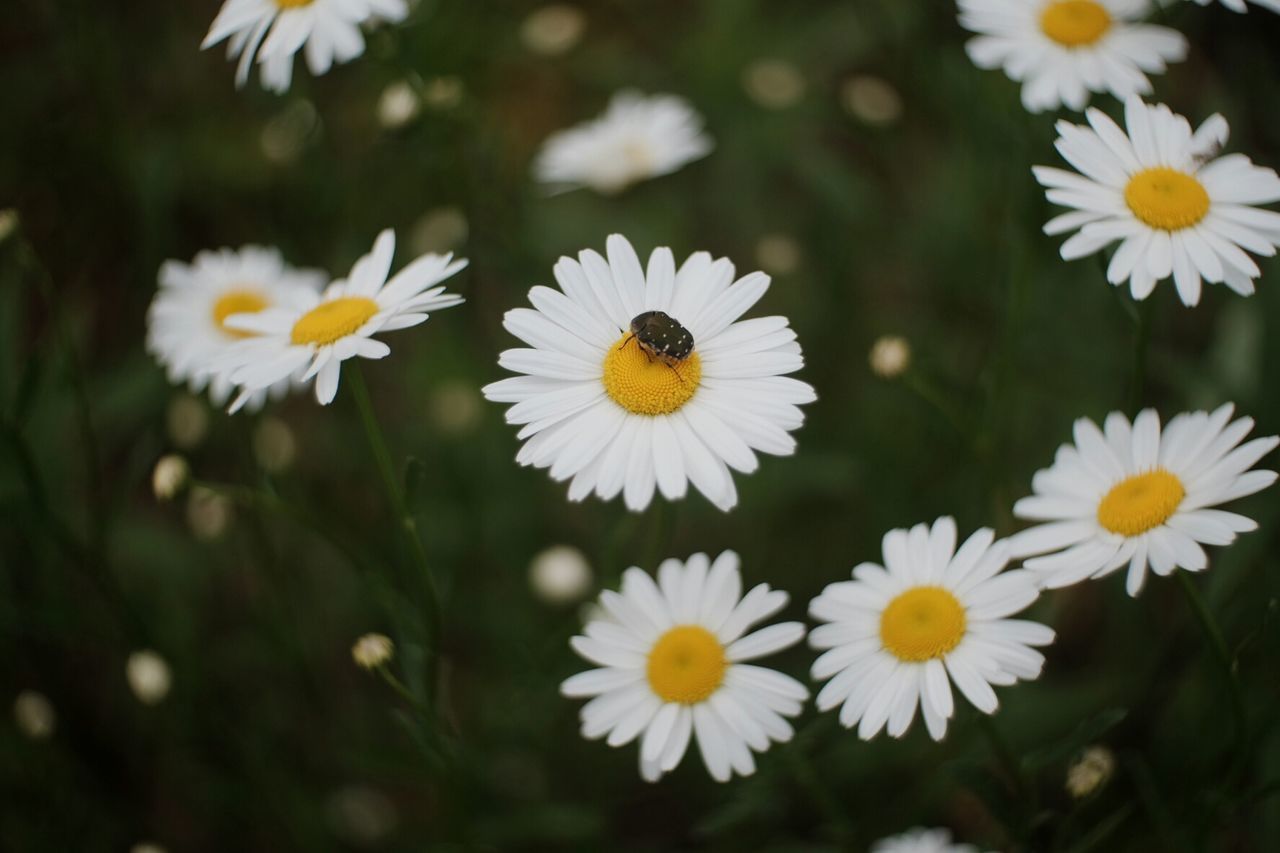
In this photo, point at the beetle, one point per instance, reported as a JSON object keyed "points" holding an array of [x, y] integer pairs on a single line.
{"points": [[661, 337]]}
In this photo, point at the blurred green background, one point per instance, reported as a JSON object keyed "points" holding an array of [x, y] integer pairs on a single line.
{"points": [[125, 145]]}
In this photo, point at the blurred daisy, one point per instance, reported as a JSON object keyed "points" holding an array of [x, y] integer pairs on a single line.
{"points": [[640, 379], [898, 636], [187, 329], [1061, 50], [1130, 494], [274, 30], [637, 138], [1239, 6], [315, 336], [1159, 191], [671, 658], [920, 840]]}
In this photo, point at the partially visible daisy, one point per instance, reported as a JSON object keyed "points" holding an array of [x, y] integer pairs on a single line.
{"points": [[898, 636], [1131, 494], [671, 658], [314, 336], [272, 31], [637, 138], [187, 329], [1159, 190], [921, 840], [1061, 50], [1239, 5], [647, 379]]}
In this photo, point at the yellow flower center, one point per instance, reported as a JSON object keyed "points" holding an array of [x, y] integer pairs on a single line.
{"points": [[645, 385], [923, 623], [1137, 504], [686, 665], [237, 302], [293, 4], [333, 320], [1166, 198], [1075, 23]]}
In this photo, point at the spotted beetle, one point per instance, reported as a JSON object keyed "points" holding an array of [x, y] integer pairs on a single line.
{"points": [[661, 337]]}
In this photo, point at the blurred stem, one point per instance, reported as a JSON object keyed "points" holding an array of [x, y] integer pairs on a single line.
{"points": [[409, 526], [1141, 338], [398, 686], [1223, 656], [1021, 788], [933, 395]]}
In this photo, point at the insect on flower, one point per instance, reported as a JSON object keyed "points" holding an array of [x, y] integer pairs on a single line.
{"points": [[661, 337]]}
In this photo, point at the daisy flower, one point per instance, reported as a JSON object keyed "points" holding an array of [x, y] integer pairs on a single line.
{"points": [[1132, 494], [1239, 6], [314, 336], [640, 379], [1175, 208], [637, 138], [1061, 50], [671, 658], [187, 329], [897, 636], [921, 840], [274, 30]]}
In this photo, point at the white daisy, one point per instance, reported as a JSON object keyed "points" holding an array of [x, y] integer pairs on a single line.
{"points": [[671, 658], [637, 138], [1239, 5], [618, 411], [921, 840], [1131, 494], [1061, 50], [898, 635], [317, 334], [275, 30], [1159, 191], [187, 329]]}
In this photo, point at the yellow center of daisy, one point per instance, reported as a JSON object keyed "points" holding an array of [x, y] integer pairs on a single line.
{"points": [[645, 385], [237, 302], [293, 4], [923, 623], [1075, 23], [332, 320], [1166, 198], [686, 665], [1137, 504]]}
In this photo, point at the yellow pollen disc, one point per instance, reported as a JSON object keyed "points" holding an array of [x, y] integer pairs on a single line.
{"points": [[1166, 198], [237, 302], [1137, 504], [686, 665], [332, 320], [645, 385], [293, 4], [923, 623], [1075, 23]]}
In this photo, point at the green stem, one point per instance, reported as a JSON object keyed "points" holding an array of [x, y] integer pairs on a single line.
{"points": [[408, 526], [1141, 339], [1223, 656], [932, 395]]}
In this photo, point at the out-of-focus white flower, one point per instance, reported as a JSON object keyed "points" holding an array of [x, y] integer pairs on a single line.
{"points": [[398, 105], [361, 815], [34, 715], [441, 229], [455, 407], [147, 847], [372, 651], [890, 356], [187, 421], [8, 222], [773, 83], [274, 445], [560, 575], [443, 93], [149, 676], [1091, 771], [871, 100], [554, 29], [170, 476], [778, 254], [209, 514]]}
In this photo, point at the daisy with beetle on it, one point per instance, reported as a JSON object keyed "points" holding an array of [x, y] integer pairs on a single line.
{"points": [[1159, 190], [1062, 50], [672, 658], [640, 379], [637, 138], [897, 636], [272, 31], [1136, 495], [313, 336], [187, 328]]}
